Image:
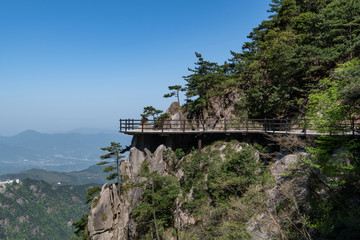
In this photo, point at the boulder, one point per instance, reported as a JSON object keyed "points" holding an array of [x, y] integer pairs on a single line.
{"points": [[177, 120]]}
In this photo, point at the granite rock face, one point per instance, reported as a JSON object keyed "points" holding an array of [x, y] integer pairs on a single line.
{"points": [[176, 117], [111, 218], [268, 225], [103, 214]]}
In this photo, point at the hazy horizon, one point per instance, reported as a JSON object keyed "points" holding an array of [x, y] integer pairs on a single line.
{"points": [[72, 64], [81, 130]]}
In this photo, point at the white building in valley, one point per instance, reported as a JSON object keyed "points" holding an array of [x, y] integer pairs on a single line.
{"points": [[9, 181]]}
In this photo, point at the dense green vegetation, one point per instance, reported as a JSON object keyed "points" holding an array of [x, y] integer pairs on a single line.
{"points": [[155, 212], [287, 55], [334, 160], [223, 175], [337, 99], [303, 61], [37, 210], [335, 192], [215, 182]]}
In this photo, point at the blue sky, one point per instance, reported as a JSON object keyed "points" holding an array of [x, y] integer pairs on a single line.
{"points": [[66, 64]]}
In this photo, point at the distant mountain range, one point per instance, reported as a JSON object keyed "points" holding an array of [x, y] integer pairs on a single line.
{"points": [[91, 175], [72, 151]]}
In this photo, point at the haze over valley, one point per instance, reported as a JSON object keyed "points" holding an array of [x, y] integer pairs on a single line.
{"points": [[71, 151]]}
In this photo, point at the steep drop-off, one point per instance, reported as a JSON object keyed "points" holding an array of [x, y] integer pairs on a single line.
{"points": [[226, 191]]}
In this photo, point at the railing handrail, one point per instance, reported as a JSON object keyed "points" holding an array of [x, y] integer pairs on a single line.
{"points": [[287, 125]]}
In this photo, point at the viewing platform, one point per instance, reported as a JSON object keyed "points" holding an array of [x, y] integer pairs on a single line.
{"points": [[229, 126]]}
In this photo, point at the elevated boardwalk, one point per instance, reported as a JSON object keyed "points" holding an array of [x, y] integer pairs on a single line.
{"points": [[234, 126]]}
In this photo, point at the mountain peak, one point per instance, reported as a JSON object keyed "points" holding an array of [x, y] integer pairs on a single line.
{"points": [[29, 132]]}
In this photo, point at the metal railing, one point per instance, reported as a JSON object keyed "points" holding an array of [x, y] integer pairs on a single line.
{"points": [[298, 126]]}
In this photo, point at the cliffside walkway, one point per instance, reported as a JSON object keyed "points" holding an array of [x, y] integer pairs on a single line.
{"points": [[228, 126]]}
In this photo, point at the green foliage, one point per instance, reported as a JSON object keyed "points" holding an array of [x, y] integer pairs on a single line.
{"points": [[155, 212], [205, 78], [151, 111], [33, 210], [81, 227], [223, 188], [336, 158], [234, 175], [114, 151], [334, 182], [90, 194], [338, 98], [179, 153], [234, 231], [284, 60], [175, 91], [160, 120]]}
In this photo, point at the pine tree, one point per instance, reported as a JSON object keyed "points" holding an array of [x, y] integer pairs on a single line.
{"points": [[151, 111], [175, 91], [114, 152], [203, 79]]}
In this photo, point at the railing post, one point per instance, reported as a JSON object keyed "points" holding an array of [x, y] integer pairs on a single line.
{"points": [[273, 124], [265, 125], [203, 125], [286, 125], [142, 125], [304, 126], [133, 124], [247, 125], [120, 125], [353, 126], [225, 124], [184, 125]]}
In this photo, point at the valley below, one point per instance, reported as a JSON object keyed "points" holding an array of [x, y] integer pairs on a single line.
{"points": [[64, 152]]}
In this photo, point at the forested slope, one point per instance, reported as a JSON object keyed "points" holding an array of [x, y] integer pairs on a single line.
{"points": [[284, 61], [35, 209]]}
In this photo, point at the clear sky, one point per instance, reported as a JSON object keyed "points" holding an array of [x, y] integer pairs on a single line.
{"points": [[66, 64]]}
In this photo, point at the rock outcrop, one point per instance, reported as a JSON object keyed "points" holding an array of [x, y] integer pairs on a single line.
{"points": [[222, 106], [103, 217], [176, 117], [111, 216], [289, 192]]}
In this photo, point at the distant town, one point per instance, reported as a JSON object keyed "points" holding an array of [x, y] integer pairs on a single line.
{"points": [[9, 181]]}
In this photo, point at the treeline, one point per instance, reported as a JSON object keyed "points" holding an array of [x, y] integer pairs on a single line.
{"points": [[302, 42]]}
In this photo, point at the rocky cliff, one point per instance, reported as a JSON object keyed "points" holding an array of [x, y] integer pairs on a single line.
{"points": [[111, 217], [202, 195]]}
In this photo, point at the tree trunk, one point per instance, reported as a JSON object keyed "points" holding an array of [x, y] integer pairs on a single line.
{"points": [[118, 176], [178, 98]]}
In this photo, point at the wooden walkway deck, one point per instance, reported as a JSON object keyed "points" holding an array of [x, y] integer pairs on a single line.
{"points": [[230, 126]]}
